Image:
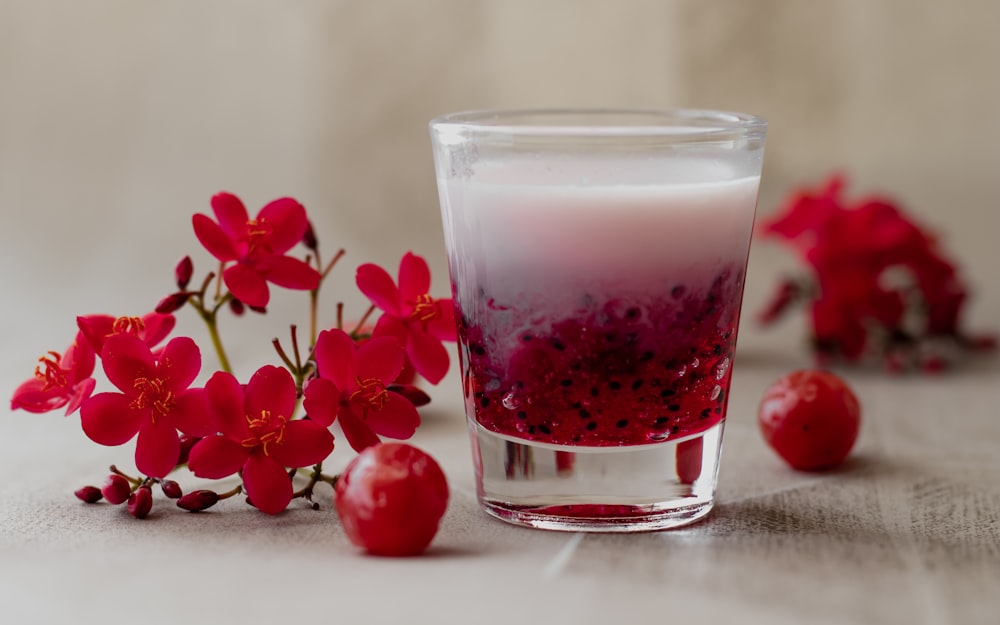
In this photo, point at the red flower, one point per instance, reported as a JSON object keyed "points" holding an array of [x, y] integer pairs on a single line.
{"points": [[60, 380], [353, 388], [154, 401], [150, 328], [257, 246], [257, 436], [417, 320], [870, 261]]}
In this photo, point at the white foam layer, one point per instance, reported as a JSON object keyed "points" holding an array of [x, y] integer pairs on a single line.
{"points": [[548, 232]]}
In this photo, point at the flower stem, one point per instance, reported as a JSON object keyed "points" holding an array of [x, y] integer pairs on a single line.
{"points": [[213, 333]]}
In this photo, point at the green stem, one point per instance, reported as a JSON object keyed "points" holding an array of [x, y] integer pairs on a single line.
{"points": [[213, 333]]}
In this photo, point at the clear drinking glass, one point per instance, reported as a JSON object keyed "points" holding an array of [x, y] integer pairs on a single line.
{"points": [[597, 261]]}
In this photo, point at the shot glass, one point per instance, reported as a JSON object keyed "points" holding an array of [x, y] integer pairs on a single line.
{"points": [[597, 261]]}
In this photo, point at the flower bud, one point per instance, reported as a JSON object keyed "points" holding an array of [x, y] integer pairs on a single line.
{"points": [[309, 238], [116, 489], [171, 489], [187, 442], [416, 396], [172, 302], [198, 500], [140, 502], [89, 494], [236, 307], [183, 271]]}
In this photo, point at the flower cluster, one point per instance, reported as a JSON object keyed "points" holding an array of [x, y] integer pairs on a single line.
{"points": [[360, 378], [880, 285]]}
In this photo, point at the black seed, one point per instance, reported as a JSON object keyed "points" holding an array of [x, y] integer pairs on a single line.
{"points": [[484, 402], [632, 313], [592, 425], [478, 350], [614, 385], [646, 356], [527, 336], [576, 404], [637, 384], [674, 407], [522, 414], [718, 410], [576, 439], [661, 420], [584, 413], [668, 392], [622, 423], [594, 391], [675, 429], [677, 291], [556, 343], [544, 429], [531, 429], [717, 349], [711, 309], [566, 382], [706, 413]]}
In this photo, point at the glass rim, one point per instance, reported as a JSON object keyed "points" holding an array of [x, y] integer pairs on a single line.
{"points": [[680, 123]]}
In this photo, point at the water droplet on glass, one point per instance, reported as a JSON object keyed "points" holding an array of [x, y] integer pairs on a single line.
{"points": [[716, 391]]}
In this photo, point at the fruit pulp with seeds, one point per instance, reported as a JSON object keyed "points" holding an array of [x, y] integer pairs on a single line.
{"points": [[598, 315]]}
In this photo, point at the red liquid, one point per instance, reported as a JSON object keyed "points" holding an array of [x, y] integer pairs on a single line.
{"points": [[610, 373]]}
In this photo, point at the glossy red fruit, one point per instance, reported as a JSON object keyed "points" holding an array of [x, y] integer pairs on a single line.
{"points": [[391, 498], [811, 419]]}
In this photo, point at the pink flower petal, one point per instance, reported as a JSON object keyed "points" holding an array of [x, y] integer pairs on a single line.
{"points": [[125, 359], [444, 328], [107, 419], [158, 326], [428, 355], [270, 389], [216, 457], [335, 358], [380, 358], [414, 277], [292, 273], [287, 219], [157, 449], [96, 329], [32, 396], [397, 419], [81, 393], [179, 363], [377, 285], [79, 358], [247, 285], [304, 443], [267, 484], [357, 432], [225, 405], [213, 238], [322, 401], [191, 415], [389, 325], [232, 215]]}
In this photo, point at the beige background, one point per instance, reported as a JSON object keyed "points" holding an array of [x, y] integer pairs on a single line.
{"points": [[118, 119]]}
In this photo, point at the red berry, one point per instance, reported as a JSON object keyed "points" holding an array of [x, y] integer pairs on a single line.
{"points": [[116, 489], [810, 418], [391, 498]]}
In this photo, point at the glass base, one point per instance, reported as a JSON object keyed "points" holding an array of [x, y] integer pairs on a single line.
{"points": [[597, 489]]}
